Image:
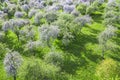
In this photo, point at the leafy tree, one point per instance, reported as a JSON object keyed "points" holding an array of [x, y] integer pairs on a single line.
{"points": [[38, 17], [39, 70], [104, 36], [32, 12], [14, 25], [51, 17], [48, 33], [54, 58], [32, 46], [19, 14], [68, 8], [12, 62], [81, 21], [111, 15]]}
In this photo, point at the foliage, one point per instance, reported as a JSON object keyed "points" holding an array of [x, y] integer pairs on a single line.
{"points": [[111, 15], [51, 17], [2, 51], [104, 36], [68, 8], [12, 62], [54, 58], [48, 32], [81, 21], [82, 8], [108, 69], [95, 6], [37, 18], [40, 70], [32, 12]]}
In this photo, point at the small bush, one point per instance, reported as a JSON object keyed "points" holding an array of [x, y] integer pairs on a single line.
{"points": [[54, 58], [108, 69], [39, 70]]}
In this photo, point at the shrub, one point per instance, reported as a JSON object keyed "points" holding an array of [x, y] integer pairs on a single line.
{"points": [[54, 58], [104, 36], [108, 69], [39, 70]]}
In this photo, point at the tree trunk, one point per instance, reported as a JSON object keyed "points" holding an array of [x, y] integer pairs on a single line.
{"points": [[14, 77], [18, 37]]}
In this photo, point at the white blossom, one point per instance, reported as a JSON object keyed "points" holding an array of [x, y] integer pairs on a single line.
{"points": [[32, 12], [12, 62], [111, 1], [25, 7], [6, 26], [83, 20], [68, 8], [108, 33], [33, 45], [69, 2], [47, 32], [1, 13], [19, 14], [37, 17], [75, 13]]}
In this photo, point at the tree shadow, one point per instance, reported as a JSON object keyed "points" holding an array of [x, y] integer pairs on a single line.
{"points": [[78, 44], [70, 66], [76, 48], [93, 57]]}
